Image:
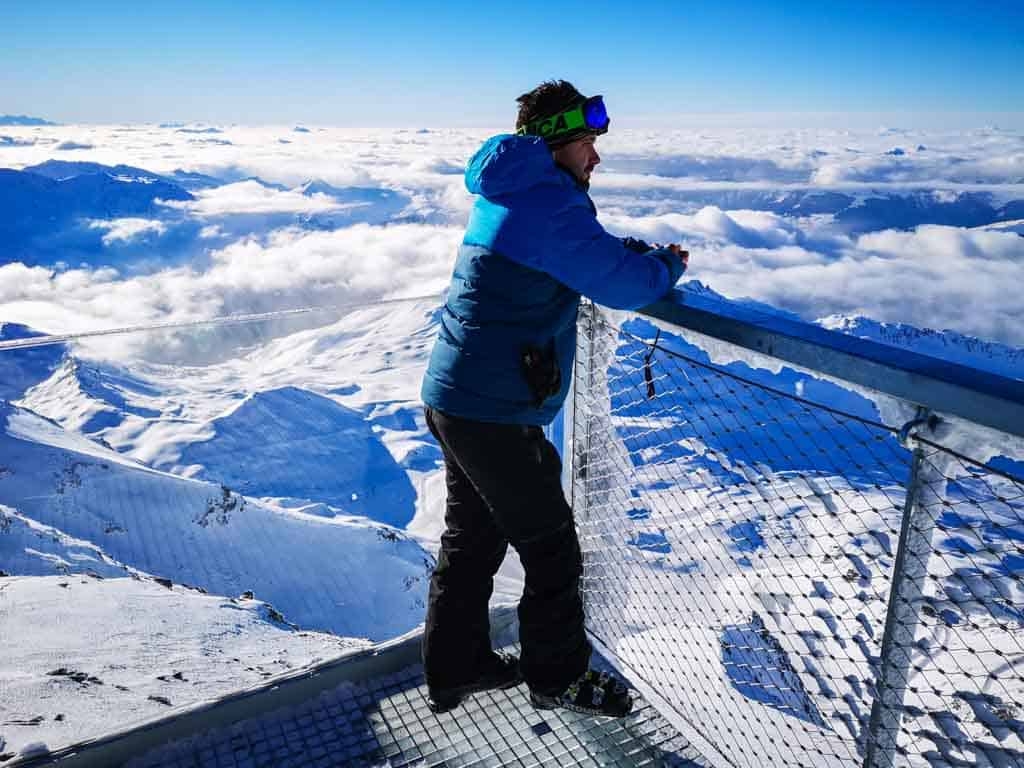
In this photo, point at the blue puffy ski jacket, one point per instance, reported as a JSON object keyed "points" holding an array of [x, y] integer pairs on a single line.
{"points": [[532, 247]]}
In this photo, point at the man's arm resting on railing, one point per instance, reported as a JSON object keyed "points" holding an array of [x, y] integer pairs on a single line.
{"points": [[581, 254]]}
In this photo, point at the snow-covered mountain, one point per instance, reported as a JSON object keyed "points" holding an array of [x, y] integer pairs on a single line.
{"points": [[946, 344], [315, 449], [49, 208], [306, 438], [23, 120], [186, 531], [282, 493], [855, 212], [327, 416], [943, 344], [30, 366], [369, 205], [62, 170], [61, 213]]}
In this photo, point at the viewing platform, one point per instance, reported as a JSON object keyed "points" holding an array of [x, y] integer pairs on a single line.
{"points": [[369, 710]]}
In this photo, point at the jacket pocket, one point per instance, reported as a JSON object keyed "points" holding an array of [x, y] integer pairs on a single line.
{"points": [[539, 366]]}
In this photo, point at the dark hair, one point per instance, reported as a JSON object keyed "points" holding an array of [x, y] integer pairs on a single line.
{"points": [[547, 99]]}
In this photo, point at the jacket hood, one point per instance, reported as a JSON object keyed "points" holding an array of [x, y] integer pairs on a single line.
{"points": [[508, 163]]}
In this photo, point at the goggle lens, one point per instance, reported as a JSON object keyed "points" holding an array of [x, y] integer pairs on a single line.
{"points": [[595, 115]]}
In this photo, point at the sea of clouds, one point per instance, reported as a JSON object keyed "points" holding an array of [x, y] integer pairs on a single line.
{"points": [[901, 226]]}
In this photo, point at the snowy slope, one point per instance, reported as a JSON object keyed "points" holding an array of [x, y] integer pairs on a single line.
{"points": [[305, 419], [89, 398], [19, 372], [79, 510], [29, 548], [205, 535], [328, 415], [129, 650], [309, 447]]}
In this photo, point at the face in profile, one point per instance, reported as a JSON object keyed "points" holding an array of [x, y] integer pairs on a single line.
{"points": [[580, 157]]}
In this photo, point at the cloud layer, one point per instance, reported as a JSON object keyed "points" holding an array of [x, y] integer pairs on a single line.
{"points": [[919, 228], [290, 268]]}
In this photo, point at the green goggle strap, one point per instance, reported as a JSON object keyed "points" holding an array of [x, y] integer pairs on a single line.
{"points": [[563, 122]]}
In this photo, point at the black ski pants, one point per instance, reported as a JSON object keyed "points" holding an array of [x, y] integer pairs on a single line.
{"points": [[504, 487]]}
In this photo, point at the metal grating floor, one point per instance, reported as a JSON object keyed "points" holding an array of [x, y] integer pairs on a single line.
{"points": [[385, 722]]}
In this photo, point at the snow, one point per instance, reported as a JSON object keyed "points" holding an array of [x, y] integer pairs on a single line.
{"points": [[130, 646], [367, 438], [18, 373], [207, 535], [80, 509], [947, 345]]}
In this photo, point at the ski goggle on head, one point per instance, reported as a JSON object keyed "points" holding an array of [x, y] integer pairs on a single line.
{"points": [[585, 118]]}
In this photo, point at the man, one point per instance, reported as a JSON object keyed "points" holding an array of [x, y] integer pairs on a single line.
{"points": [[499, 371]]}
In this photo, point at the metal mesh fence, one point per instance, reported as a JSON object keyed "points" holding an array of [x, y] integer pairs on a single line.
{"points": [[800, 585]]}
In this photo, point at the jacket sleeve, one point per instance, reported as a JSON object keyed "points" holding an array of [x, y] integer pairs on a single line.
{"points": [[582, 255]]}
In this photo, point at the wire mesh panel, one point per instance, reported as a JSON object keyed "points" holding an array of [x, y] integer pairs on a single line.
{"points": [[740, 543], [963, 702]]}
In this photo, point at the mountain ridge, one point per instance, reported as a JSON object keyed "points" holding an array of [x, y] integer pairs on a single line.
{"points": [[24, 120]]}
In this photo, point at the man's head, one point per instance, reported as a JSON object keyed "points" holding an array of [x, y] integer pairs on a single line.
{"points": [[568, 121]]}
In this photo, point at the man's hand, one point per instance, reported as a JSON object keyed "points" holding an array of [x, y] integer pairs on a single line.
{"points": [[684, 255]]}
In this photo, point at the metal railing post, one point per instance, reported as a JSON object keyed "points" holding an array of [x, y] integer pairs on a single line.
{"points": [[910, 572], [562, 435], [580, 456]]}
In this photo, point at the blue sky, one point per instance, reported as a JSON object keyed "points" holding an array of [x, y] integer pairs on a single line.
{"points": [[463, 63]]}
